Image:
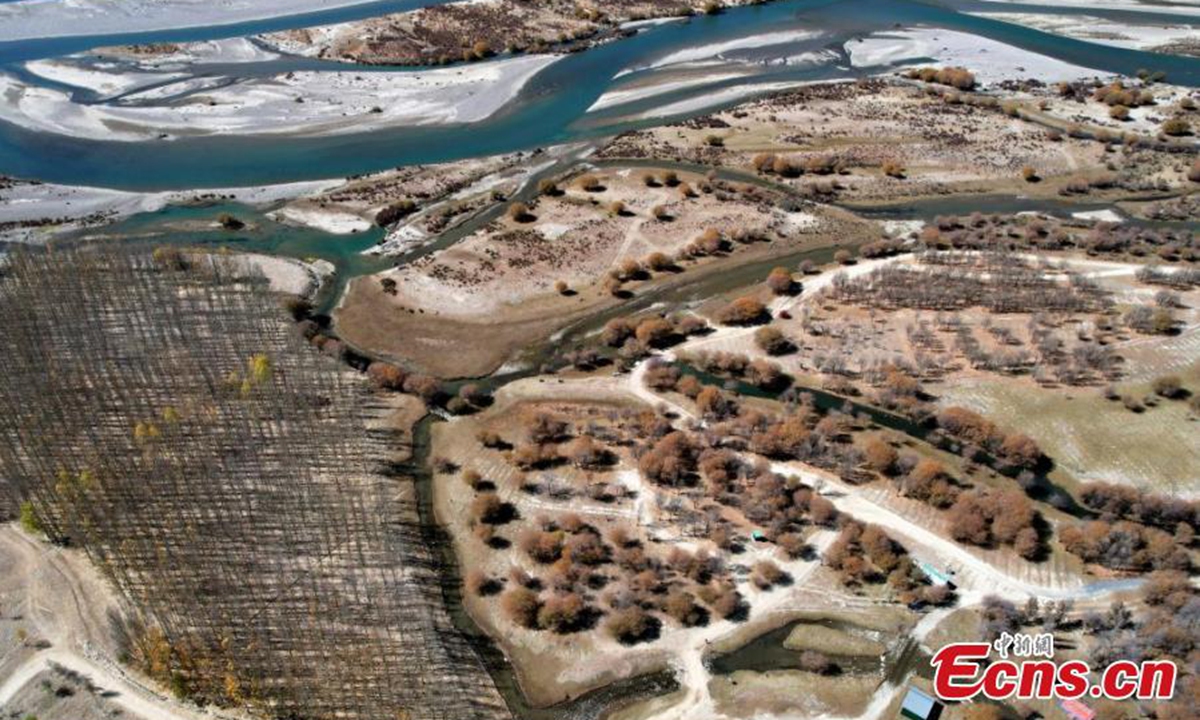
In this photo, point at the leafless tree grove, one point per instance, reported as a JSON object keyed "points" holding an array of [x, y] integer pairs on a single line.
{"points": [[164, 417]]}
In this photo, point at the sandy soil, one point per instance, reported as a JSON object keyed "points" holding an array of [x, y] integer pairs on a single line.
{"points": [[49, 18], [57, 693], [791, 693], [287, 276], [442, 195], [492, 294], [1173, 37], [833, 641], [62, 605], [589, 659], [991, 61], [943, 148], [302, 102], [36, 212]]}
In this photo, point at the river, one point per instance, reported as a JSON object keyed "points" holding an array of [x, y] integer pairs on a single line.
{"points": [[552, 108]]}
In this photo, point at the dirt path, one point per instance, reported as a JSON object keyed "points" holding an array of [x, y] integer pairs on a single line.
{"points": [[66, 602], [975, 577]]}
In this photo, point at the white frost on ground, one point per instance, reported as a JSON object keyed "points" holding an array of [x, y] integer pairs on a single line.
{"points": [[901, 228], [285, 275], [228, 50], [337, 222], [63, 206], [718, 97], [26, 19], [1178, 7], [991, 61], [1100, 215], [651, 22], [1102, 31], [641, 91], [718, 50], [178, 56], [332, 103], [96, 78]]}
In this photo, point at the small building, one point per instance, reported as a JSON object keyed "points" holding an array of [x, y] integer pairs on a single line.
{"points": [[919, 705], [937, 577]]}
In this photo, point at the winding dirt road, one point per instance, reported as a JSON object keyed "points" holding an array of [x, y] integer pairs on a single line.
{"points": [[64, 602]]}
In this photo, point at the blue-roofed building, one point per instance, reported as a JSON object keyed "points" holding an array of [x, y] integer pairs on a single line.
{"points": [[937, 577], [919, 705]]}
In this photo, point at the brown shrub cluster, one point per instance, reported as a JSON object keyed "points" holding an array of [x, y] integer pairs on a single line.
{"points": [[996, 517], [1124, 545], [1016, 448], [956, 77], [1121, 502]]}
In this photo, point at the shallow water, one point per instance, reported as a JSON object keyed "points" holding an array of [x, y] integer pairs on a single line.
{"points": [[552, 108]]}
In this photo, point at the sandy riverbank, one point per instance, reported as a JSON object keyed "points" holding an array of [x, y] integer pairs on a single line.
{"points": [[991, 61], [26, 19], [35, 212], [1110, 32], [299, 103]]}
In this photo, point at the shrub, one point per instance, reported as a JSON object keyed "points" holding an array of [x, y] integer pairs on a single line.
{"points": [[426, 387], [766, 574], [630, 625], [784, 167], [521, 605], [519, 212], [479, 583], [393, 213], [590, 183], [880, 456], [562, 613], [472, 478], [956, 77], [1168, 386], [487, 508], [543, 546], [29, 519], [1029, 174], [586, 548], [743, 311], [1176, 126], [893, 169], [659, 262], [545, 427], [780, 281], [386, 376], [681, 605], [772, 341]]}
